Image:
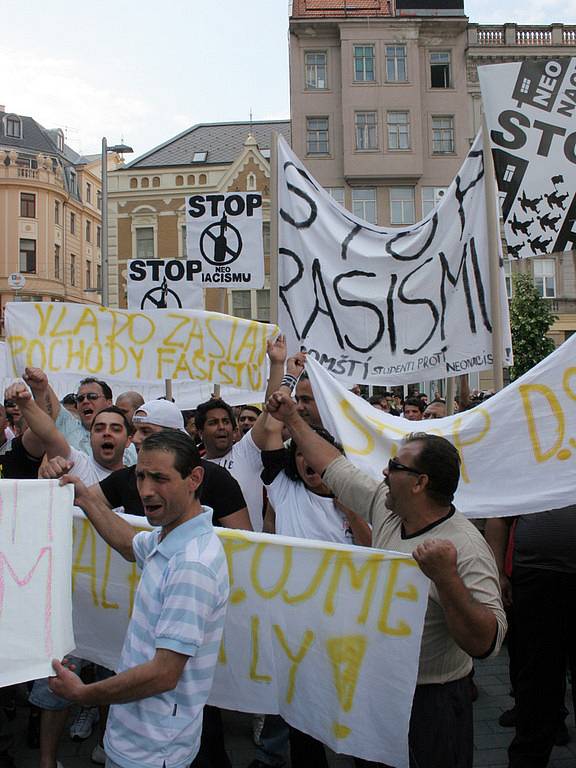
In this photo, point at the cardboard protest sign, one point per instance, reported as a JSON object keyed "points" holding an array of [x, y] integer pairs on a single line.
{"points": [[35, 590], [380, 305], [327, 635], [530, 107], [164, 284], [150, 346], [224, 238], [516, 449]]}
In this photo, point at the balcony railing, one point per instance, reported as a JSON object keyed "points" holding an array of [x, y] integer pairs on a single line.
{"points": [[525, 36]]}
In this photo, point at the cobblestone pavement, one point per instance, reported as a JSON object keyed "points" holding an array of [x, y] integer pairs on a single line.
{"points": [[490, 741]]}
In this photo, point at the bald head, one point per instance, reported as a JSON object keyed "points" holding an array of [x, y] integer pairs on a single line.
{"points": [[128, 402]]}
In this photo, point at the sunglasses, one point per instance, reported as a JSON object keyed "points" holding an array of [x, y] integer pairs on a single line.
{"points": [[89, 396], [396, 466]]}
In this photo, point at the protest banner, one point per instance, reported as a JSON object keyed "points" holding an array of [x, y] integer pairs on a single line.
{"points": [[387, 306], [517, 449], [164, 284], [324, 634], [35, 589], [224, 239], [142, 347], [529, 108]]}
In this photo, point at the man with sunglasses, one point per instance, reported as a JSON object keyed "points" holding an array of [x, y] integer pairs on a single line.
{"points": [[412, 512]]}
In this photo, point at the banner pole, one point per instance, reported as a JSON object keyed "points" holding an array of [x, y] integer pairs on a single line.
{"points": [[450, 392], [493, 224], [168, 387], [274, 228]]}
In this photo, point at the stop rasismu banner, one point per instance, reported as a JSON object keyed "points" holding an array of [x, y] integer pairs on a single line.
{"points": [[387, 306], [530, 110]]}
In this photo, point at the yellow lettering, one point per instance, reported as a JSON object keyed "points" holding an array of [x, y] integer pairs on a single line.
{"points": [[346, 655], [268, 594], [371, 568], [78, 354], [169, 340], [17, 345], [568, 373], [97, 367], [232, 544], [39, 362], [295, 658], [77, 567], [350, 416], [103, 599], [163, 356], [460, 444], [51, 363], [137, 355], [402, 628], [215, 337], [56, 329], [249, 342], [87, 320], [254, 656], [312, 588], [526, 392], [44, 318]]}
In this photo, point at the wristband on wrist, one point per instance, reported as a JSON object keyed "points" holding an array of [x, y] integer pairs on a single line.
{"points": [[288, 381]]}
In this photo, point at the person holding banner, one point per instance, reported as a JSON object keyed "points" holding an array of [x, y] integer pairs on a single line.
{"points": [[171, 646], [412, 511]]}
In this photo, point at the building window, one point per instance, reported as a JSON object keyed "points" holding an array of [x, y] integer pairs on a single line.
{"points": [[241, 304], [155, 181], [440, 69], [28, 256], [88, 231], [266, 237], [191, 180], [251, 181], [145, 243], [337, 193], [263, 305], [99, 199], [315, 65], [364, 204], [366, 127], [398, 130], [27, 205], [13, 127], [402, 210], [431, 196], [56, 212], [88, 193], [98, 277], [98, 236], [179, 181], [317, 135], [144, 182], [508, 276], [364, 63], [442, 135], [72, 269], [133, 183], [88, 285], [544, 277], [57, 262], [202, 179], [73, 188], [72, 223], [396, 69]]}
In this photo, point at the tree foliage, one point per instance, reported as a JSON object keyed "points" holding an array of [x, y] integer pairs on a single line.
{"points": [[530, 318]]}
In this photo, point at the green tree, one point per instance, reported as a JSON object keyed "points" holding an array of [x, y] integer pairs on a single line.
{"points": [[530, 318]]}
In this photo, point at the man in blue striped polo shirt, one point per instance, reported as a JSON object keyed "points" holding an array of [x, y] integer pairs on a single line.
{"points": [[171, 647]]}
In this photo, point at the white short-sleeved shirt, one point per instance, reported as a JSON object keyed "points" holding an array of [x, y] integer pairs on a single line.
{"points": [[88, 470], [244, 462], [180, 605], [79, 437]]}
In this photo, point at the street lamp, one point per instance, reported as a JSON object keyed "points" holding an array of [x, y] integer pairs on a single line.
{"points": [[120, 149]]}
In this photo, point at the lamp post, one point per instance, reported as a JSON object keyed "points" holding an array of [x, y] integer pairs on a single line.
{"points": [[120, 149]]}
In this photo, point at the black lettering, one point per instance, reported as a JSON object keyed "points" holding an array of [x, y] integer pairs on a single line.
{"points": [[253, 202], [214, 200], [548, 132], [283, 289], [234, 205], [432, 223], [349, 303], [311, 218], [138, 270], [154, 265], [192, 266], [414, 302], [565, 107], [390, 310], [506, 120], [570, 147], [174, 270], [196, 207], [318, 282]]}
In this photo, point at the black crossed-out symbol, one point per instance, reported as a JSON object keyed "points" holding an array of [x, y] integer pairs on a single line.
{"points": [[165, 295], [216, 240]]}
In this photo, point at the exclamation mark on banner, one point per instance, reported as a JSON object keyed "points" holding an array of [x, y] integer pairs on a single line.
{"points": [[346, 655]]}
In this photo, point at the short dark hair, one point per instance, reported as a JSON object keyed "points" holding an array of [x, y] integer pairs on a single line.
{"points": [[440, 460], [113, 409], [253, 408], [290, 468], [179, 444], [416, 401], [106, 391], [69, 399], [211, 405]]}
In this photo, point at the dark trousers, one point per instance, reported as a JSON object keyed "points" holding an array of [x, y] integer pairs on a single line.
{"points": [[544, 642], [212, 753]]}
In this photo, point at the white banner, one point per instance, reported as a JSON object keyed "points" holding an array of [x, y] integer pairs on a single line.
{"points": [[517, 448], [124, 345], [224, 239], [529, 109], [387, 306], [326, 635], [164, 284], [35, 562]]}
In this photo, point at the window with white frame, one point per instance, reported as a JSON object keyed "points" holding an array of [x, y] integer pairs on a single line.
{"points": [[266, 237], [251, 305], [431, 196], [317, 136], [364, 204], [396, 64], [440, 75], [13, 126], [337, 193], [398, 130], [545, 277], [402, 210], [366, 128], [508, 276], [443, 135], [263, 305], [88, 193], [145, 243], [27, 256], [57, 262], [315, 66], [88, 281], [241, 304], [364, 63]]}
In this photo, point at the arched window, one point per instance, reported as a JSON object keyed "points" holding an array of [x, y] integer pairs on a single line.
{"points": [[156, 181], [191, 180], [133, 183], [179, 181], [145, 183], [203, 178]]}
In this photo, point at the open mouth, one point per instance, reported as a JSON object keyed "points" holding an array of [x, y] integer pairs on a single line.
{"points": [[150, 509], [108, 446], [309, 471]]}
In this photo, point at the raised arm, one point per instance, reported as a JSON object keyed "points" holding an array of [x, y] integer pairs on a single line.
{"points": [[42, 392], [42, 436], [266, 432]]}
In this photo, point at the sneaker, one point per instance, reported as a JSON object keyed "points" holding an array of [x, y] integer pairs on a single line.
{"points": [[98, 755], [508, 719], [84, 723]]}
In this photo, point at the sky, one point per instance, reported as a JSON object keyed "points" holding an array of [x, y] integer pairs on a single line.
{"points": [[124, 70]]}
